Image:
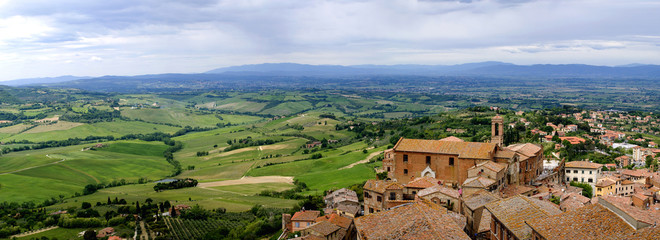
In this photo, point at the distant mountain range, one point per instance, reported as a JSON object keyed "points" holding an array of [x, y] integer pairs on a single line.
{"points": [[485, 69], [45, 80], [481, 69]]}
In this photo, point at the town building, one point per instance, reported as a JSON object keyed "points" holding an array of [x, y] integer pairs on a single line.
{"points": [[303, 219], [478, 219], [416, 220], [583, 172], [443, 196], [509, 216], [448, 160], [343, 201]]}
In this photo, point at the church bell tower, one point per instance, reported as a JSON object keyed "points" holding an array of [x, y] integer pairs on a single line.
{"points": [[497, 131]]}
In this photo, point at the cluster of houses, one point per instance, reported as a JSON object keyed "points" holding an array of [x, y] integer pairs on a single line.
{"points": [[451, 189]]}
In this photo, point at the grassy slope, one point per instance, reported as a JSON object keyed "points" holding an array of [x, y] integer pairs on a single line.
{"points": [[116, 128], [82, 168]]}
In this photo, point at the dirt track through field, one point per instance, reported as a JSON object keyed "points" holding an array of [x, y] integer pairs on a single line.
{"points": [[366, 160], [20, 170], [248, 180]]}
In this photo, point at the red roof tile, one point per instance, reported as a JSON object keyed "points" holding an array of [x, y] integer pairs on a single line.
{"points": [[411, 221], [475, 150], [589, 222]]}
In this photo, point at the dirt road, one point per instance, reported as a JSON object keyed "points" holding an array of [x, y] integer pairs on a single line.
{"points": [[248, 180]]}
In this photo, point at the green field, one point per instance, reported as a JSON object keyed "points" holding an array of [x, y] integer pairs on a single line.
{"points": [[49, 179], [233, 198], [59, 233], [115, 128]]}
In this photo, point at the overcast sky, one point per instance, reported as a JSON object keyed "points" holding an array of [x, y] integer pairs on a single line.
{"points": [[47, 38]]}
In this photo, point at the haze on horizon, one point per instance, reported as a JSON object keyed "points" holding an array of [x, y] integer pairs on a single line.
{"points": [[48, 38]]}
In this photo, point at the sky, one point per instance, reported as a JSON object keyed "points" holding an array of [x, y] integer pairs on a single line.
{"points": [[49, 38]]}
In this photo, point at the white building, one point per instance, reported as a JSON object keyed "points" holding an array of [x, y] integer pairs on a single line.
{"points": [[583, 172]]}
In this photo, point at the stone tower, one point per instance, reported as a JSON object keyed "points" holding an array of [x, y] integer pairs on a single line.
{"points": [[497, 131]]}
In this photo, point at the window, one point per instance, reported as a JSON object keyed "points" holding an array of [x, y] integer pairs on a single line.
{"points": [[590, 180], [297, 224], [379, 199], [575, 179], [371, 210], [451, 161], [366, 195], [568, 179], [589, 172], [582, 180], [388, 169], [428, 160], [568, 171], [392, 196], [405, 158], [414, 192], [574, 171], [582, 171], [405, 171]]}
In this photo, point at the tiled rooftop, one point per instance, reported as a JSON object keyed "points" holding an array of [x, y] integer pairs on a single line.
{"points": [[452, 139], [645, 216], [422, 182], [479, 199], [636, 173], [417, 220], [589, 222], [438, 188], [307, 215], [514, 211], [478, 182], [381, 185], [583, 164], [325, 228], [526, 149], [475, 150]]}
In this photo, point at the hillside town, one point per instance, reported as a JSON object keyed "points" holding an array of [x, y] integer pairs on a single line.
{"points": [[454, 189]]}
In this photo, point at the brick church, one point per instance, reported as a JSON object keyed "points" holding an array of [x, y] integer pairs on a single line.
{"points": [[455, 162]]}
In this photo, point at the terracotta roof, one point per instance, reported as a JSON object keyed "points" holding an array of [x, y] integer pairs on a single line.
{"points": [[649, 217], [576, 196], [505, 153], [325, 228], [636, 173], [479, 199], [570, 204], [478, 182], [589, 222], [307, 215], [583, 164], [336, 219], [493, 166], [411, 221], [484, 224], [352, 209], [605, 183], [474, 150], [342, 195], [381, 185], [652, 232], [422, 182], [526, 149], [514, 211], [515, 189], [452, 139], [626, 182], [441, 189]]}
